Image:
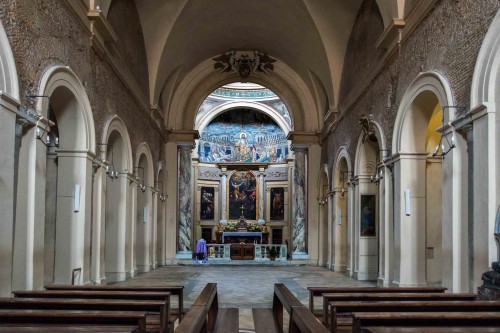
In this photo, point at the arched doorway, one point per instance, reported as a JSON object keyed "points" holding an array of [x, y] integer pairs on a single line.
{"points": [[324, 208], [340, 218], [418, 194], [116, 207], [144, 222], [366, 208]]}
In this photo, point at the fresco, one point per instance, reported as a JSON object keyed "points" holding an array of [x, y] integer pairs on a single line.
{"points": [[277, 204], [243, 135], [207, 203], [242, 195]]}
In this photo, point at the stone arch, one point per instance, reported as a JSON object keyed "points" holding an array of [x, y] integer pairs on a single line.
{"points": [[342, 244], [116, 151], [62, 77], [275, 115], [145, 208], [203, 80], [420, 209], [8, 73], [432, 82], [161, 227], [324, 205], [485, 105]]}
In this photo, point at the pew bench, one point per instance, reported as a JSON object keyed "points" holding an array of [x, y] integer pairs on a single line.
{"points": [[157, 309], [319, 291], [177, 291], [206, 316], [25, 328], [362, 320], [74, 317], [428, 329], [271, 320], [344, 310], [397, 297]]}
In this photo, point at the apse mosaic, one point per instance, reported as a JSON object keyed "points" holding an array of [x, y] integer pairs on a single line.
{"points": [[243, 135]]}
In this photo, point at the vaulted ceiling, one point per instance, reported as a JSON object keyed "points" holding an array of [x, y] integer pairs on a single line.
{"points": [[308, 37]]}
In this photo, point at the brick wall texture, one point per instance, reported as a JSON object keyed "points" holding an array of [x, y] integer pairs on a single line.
{"points": [[44, 33], [447, 41]]}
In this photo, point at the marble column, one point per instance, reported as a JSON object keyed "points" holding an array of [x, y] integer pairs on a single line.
{"points": [[184, 232], [299, 203], [261, 194], [223, 194]]}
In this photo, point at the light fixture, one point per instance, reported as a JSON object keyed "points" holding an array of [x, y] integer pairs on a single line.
{"points": [[141, 185], [47, 142], [377, 177], [111, 172], [352, 181], [450, 144], [162, 196], [324, 198]]}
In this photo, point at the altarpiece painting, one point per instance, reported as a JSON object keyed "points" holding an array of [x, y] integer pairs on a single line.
{"points": [[242, 195]]}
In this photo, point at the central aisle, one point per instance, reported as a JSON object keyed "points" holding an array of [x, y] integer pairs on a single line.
{"points": [[244, 287]]}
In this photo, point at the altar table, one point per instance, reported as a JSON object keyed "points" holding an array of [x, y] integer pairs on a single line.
{"points": [[241, 234]]}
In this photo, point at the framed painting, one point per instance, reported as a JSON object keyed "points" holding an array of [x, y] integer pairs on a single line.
{"points": [[277, 208], [242, 195], [207, 205], [368, 215]]}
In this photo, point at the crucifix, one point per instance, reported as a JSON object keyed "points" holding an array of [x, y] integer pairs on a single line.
{"points": [[242, 208]]}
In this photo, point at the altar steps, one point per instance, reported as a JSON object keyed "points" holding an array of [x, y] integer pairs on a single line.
{"points": [[241, 263]]}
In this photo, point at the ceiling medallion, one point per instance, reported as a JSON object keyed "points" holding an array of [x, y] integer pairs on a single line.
{"points": [[244, 64]]}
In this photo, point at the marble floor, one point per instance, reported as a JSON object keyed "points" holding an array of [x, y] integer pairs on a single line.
{"points": [[245, 286]]}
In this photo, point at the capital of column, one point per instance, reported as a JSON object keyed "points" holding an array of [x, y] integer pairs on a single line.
{"points": [[302, 140], [182, 137]]}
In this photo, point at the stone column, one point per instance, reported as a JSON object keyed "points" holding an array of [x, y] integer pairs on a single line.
{"points": [[184, 232], [260, 216], [298, 203], [223, 194]]}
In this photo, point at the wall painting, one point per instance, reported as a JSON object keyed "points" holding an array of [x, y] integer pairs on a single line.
{"points": [[207, 203], [368, 211], [242, 195], [277, 204]]}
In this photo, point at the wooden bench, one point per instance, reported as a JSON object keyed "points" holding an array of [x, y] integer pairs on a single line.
{"points": [[159, 308], [319, 291], [22, 328], [206, 316], [74, 317], [340, 309], [177, 291], [428, 329], [427, 319], [371, 297], [271, 320]]}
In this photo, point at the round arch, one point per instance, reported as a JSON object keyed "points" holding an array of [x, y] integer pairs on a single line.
{"points": [[62, 76], [275, 115], [203, 80], [143, 149], [115, 123], [425, 82], [8, 73]]}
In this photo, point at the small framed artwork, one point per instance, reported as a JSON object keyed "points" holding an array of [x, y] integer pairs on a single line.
{"points": [[207, 205], [277, 204], [368, 216]]}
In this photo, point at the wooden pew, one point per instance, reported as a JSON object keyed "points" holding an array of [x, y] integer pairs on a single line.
{"points": [[319, 291], [371, 297], [177, 291], [25, 328], [425, 319], [92, 294], [271, 320], [428, 329], [74, 317], [340, 309], [159, 308], [206, 316]]}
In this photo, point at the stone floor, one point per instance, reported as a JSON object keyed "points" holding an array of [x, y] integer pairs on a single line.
{"points": [[244, 286]]}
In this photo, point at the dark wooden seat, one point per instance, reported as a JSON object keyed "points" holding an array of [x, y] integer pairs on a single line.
{"points": [[319, 291], [428, 319], [74, 317], [371, 297], [158, 309], [339, 309], [22, 328], [205, 315], [93, 294], [427, 329], [271, 320], [177, 291]]}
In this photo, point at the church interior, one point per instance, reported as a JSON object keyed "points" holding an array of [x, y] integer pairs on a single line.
{"points": [[356, 136]]}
